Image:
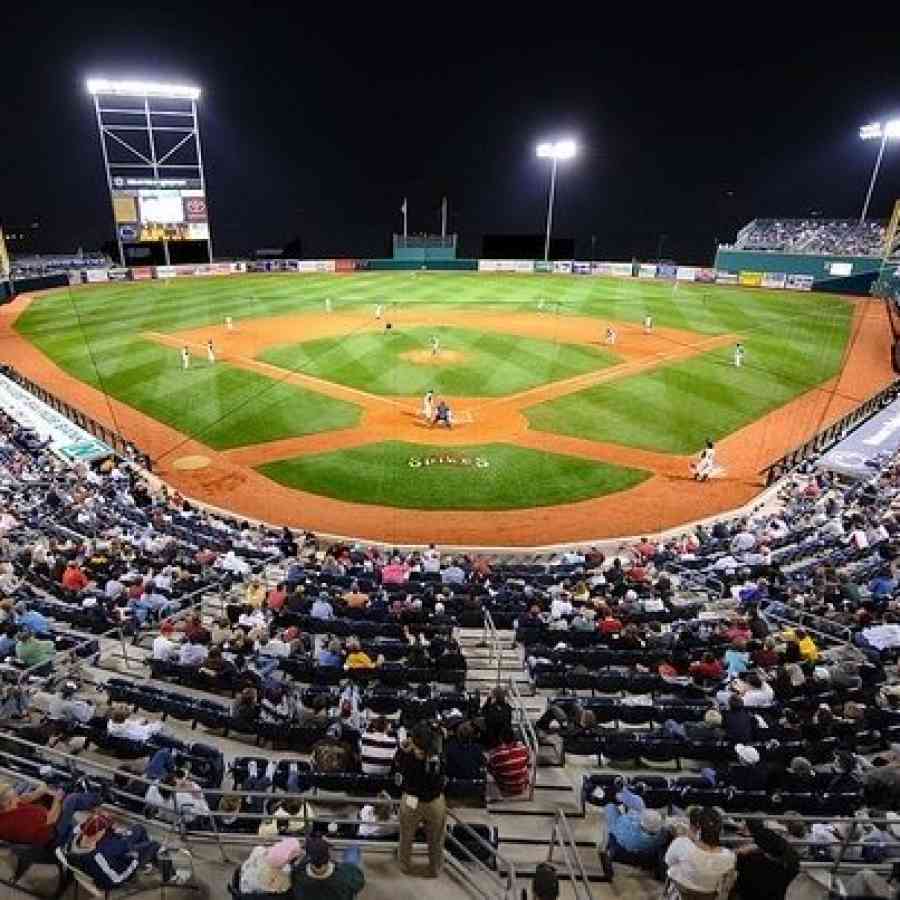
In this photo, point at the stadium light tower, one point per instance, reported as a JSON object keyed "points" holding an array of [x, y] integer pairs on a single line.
{"points": [[872, 132], [554, 150], [150, 140]]}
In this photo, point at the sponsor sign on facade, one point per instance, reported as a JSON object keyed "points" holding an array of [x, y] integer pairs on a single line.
{"points": [[65, 438], [880, 436]]}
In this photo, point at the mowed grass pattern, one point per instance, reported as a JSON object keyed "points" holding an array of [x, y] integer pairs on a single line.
{"points": [[514, 477], [492, 364], [793, 341]]}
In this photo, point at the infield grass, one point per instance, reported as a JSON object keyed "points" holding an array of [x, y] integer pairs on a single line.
{"points": [[492, 364], [395, 473]]}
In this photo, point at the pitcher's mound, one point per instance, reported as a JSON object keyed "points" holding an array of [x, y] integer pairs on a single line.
{"points": [[427, 358]]}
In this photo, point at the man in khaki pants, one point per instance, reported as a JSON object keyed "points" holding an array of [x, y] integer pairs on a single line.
{"points": [[421, 772]]}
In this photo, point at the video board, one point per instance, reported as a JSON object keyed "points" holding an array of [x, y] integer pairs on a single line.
{"points": [[159, 209]]}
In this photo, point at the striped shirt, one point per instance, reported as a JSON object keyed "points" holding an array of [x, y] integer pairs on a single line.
{"points": [[509, 765], [377, 752]]}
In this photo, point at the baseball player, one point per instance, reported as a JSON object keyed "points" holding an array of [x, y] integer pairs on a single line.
{"points": [[210, 351], [706, 462], [738, 355], [435, 345], [379, 311], [443, 415], [185, 357], [229, 323], [328, 304], [610, 335], [648, 324], [541, 305], [428, 406]]}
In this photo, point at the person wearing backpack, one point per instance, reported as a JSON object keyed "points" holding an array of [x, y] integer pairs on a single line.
{"points": [[421, 774]]}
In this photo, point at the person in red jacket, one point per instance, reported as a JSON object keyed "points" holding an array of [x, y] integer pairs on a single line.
{"points": [[509, 764], [73, 579]]}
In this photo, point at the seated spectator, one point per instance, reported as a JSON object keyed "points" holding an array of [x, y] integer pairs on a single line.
{"points": [[331, 655], [755, 691], [192, 653], [699, 864], [318, 878], [396, 572], [497, 716], [255, 593], [245, 709], [740, 724], [709, 668], [357, 658], [609, 624], [32, 652], [322, 608], [267, 870], [32, 620], [165, 648], [465, 758], [509, 764], [585, 620], [766, 656], [65, 707], [737, 660], [355, 598], [122, 725], [377, 820], [177, 796], [635, 834], [109, 856], [766, 867], [41, 816], [454, 573], [73, 579], [377, 748]]}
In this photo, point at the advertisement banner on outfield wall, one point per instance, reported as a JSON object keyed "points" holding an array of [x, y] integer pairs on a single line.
{"points": [[95, 275], [345, 265], [666, 270], [799, 282], [618, 269], [853, 456], [141, 273], [726, 277], [543, 267], [562, 267], [164, 271], [65, 437], [647, 270], [74, 277], [237, 267], [774, 279], [119, 274], [705, 276], [686, 273], [581, 268], [506, 265], [750, 279], [315, 265]]}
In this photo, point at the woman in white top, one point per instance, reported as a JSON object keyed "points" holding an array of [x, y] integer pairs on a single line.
{"points": [[697, 863]]}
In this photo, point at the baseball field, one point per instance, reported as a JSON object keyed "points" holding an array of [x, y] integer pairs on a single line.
{"points": [[310, 412]]}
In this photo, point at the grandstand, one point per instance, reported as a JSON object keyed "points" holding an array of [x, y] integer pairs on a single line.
{"points": [[749, 665]]}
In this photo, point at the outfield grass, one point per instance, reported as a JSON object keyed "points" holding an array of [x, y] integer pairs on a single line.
{"points": [[676, 408], [492, 365], [513, 477], [793, 341]]}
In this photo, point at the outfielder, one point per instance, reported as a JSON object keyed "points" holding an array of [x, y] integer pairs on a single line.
{"points": [[435, 345], [648, 324], [328, 304], [210, 351], [229, 323], [379, 311], [185, 357], [738, 355], [428, 406]]}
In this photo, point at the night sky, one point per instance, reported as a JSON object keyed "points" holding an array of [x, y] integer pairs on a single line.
{"points": [[316, 122]]}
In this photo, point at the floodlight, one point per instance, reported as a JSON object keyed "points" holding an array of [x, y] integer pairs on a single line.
{"points": [[558, 150], [878, 131], [142, 89]]}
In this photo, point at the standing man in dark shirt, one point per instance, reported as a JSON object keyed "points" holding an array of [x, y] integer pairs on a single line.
{"points": [[422, 775]]}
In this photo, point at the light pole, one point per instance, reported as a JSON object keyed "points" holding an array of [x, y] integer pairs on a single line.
{"points": [[883, 132], [555, 151]]}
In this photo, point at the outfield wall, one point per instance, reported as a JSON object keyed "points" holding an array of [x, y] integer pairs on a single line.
{"points": [[838, 274]]}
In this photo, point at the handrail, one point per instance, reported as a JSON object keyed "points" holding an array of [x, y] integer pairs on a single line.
{"points": [[507, 886], [529, 734], [562, 833], [492, 637]]}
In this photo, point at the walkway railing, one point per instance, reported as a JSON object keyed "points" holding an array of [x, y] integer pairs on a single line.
{"points": [[561, 836], [528, 733]]}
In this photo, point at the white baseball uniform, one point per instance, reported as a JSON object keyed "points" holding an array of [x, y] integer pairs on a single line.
{"points": [[229, 323], [210, 352], [648, 324], [428, 406], [185, 358]]}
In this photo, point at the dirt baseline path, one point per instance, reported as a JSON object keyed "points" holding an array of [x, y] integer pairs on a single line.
{"points": [[665, 500]]}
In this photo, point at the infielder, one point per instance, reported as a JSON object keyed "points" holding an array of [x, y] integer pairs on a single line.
{"points": [[435, 345], [610, 336], [210, 351], [185, 358], [229, 323], [706, 463], [648, 324], [328, 304], [428, 406], [738, 355], [379, 311]]}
